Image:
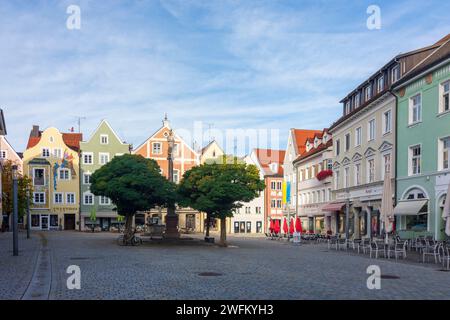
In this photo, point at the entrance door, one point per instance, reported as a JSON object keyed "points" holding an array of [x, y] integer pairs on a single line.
{"points": [[44, 222], [69, 221], [190, 221]]}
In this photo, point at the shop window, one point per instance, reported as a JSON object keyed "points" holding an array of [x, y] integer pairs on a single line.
{"points": [[35, 220], [236, 227], [249, 227], [53, 220], [258, 226]]}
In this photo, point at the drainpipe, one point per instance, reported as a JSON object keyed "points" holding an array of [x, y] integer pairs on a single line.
{"points": [[396, 152]]}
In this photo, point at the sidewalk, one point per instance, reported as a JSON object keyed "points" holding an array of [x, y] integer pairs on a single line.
{"points": [[16, 272]]}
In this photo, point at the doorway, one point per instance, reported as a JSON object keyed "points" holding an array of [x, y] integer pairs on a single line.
{"points": [[69, 221], [44, 222]]}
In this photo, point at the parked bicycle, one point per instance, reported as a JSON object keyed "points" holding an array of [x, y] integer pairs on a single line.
{"points": [[135, 240]]}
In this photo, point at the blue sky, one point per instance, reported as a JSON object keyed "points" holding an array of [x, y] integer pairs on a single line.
{"points": [[234, 64]]}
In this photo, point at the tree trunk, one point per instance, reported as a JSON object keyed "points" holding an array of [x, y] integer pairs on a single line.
{"points": [[223, 232], [207, 225], [128, 232]]}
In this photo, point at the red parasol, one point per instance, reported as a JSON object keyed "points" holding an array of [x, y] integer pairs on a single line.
{"points": [[271, 226], [291, 226], [277, 226], [285, 226], [298, 225]]}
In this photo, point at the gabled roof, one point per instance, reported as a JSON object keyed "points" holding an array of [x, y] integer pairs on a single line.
{"points": [[267, 156], [104, 121], [300, 136], [72, 140], [313, 151], [209, 145]]}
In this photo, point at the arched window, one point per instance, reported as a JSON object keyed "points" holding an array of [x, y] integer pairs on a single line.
{"points": [[415, 194], [417, 222]]}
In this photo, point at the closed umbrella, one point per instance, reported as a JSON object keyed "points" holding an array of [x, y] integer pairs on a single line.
{"points": [[291, 227], [285, 226], [277, 226], [387, 209], [271, 226], [298, 225], [446, 213]]}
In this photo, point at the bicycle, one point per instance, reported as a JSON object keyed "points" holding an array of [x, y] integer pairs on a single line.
{"points": [[134, 240]]}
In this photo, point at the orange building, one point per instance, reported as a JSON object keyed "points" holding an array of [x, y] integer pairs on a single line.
{"points": [[156, 147], [270, 163]]}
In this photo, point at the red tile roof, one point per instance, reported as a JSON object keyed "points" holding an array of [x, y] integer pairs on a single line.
{"points": [[72, 140], [268, 156], [300, 136], [313, 151]]}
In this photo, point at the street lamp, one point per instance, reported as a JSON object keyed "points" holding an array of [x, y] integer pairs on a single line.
{"points": [[15, 210], [28, 215], [171, 217]]}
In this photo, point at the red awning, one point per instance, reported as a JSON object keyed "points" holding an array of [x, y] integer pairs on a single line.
{"points": [[332, 207]]}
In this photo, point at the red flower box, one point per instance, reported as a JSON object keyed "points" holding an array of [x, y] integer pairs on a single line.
{"points": [[324, 174]]}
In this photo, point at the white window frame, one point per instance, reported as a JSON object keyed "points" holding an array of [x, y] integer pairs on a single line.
{"points": [[357, 174], [368, 92], [88, 154], [65, 170], [387, 125], [3, 154], [357, 100], [395, 73], [346, 177], [67, 198], [104, 136], [176, 173], [34, 175], [384, 164], [34, 198], [442, 98], [102, 202], [411, 158], [336, 179], [358, 136], [411, 109], [441, 153], [85, 174], [380, 84], [84, 198], [61, 195], [153, 147], [348, 141], [338, 148], [370, 136], [45, 152], [103, 154], [370, 176], [57, 153]]}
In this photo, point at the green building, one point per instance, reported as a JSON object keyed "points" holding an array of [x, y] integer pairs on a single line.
{"points": [[423, 145], [103, 145]]}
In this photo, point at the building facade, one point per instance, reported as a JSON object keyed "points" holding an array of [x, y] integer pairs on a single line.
{"points": [[423, 138], [51, 160], [156, 147], [314, 171], [103, 145], [211, 153], [364, 142]]}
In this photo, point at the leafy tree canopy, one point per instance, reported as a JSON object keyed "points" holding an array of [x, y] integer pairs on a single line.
{"points": [[25, 190]]}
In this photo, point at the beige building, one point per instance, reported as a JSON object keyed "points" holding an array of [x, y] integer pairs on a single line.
{"points": [[211, 152]]}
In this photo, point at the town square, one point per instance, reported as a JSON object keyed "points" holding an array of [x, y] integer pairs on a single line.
{"points": [[224, 150]]}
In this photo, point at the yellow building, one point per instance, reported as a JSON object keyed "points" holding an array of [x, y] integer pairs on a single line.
{"points": [[52, 161]]}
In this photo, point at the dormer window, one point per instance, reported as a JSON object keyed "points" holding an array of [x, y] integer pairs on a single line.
{"points": [[347, 108], [380, 84], [357, 100], [368, 93], [104, 139], [395, 73]]}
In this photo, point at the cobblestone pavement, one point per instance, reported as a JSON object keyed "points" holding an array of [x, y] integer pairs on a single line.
{"points": [[250, 268]]}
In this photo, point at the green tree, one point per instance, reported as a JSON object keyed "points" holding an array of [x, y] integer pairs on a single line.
{"points": [[219, 189], [25, 190], [133, 184]]}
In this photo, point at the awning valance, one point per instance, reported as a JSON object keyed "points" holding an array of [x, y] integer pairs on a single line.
{"points": [[332, 207], [410, 207]]}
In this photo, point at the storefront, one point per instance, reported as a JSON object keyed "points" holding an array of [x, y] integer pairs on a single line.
{"points": [[46, 221]]}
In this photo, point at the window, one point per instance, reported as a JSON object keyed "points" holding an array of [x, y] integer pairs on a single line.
{"points": [[346, 177], [258, 226], [53, 220], [3, 154], [279, 185], [104, 139], [415, 159], [156, 148], [273, 185], [45, 152], [330, 164], [445, 104], [338, 147], [70, 198], [258, 210], [64, 174], [57, 153], [35, 220], [347, 142], [358, 136], [387, 121], [104, 201], [249, 227], [176, 175], [38, 177], [247, 210], [380, 84], [279, 204], [445, 151], [357, 100], [103, 158], [370, 170], [273, 203], [347, 107], [357, 174], [176, 149], [395, 73], [88, 199], [236, 227], [57, 198], [368, 93], [86, 178], [88, 158], [371, 130], [336, 179], [38, 197], [386, 164], [415, 109]]}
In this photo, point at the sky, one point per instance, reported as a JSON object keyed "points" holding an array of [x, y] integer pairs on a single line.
{"points": [[225, 65]]}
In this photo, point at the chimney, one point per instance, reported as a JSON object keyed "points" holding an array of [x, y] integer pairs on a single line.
{"points": [[35, 131]]}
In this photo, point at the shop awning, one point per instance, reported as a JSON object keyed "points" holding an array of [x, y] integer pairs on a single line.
{"points": [[410, 207], [332, 207]]}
